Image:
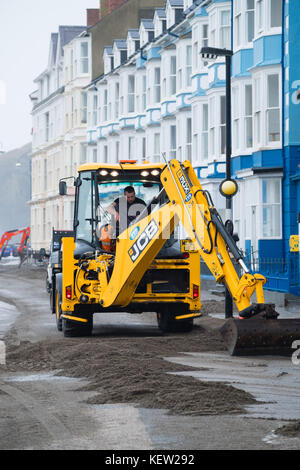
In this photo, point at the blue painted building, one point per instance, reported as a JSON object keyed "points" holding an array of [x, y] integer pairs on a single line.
{"points": [[159, 95], [265, 68]]}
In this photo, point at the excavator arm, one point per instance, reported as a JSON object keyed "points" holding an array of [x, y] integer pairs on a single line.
{"points": [[192, 206], [257, 329], [12, 233], [113, 277]]}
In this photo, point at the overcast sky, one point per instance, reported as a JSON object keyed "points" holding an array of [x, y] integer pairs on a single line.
{"points": [[25, 29]]}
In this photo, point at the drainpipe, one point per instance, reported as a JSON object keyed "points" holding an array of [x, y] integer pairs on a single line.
{"points": [[283, 126]]}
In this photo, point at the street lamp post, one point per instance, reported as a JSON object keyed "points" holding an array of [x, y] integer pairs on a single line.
{"points": [[228, 187]]}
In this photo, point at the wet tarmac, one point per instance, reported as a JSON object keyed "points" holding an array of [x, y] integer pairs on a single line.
{"points": [[8, 315], [43, 411]]}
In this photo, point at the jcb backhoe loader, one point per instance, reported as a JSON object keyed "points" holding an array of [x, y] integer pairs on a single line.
{"points": [[144, 271]]}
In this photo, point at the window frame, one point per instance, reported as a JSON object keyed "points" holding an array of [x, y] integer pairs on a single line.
{"points": [[84, 59]]}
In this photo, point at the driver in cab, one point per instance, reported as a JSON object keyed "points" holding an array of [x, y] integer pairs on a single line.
{"points": [[126, 208]]}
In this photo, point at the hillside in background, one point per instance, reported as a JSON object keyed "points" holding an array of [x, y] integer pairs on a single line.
{"points": [[15, 189]]}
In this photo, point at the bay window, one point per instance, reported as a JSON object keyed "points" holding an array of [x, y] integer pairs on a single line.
{"points": [[189, 139], [188, 66], [248, 116], [173, 144], [84, 57], [157, 85], [156, 153], [131, 93], [95, 109], [196, 55], [273, 110], [144, 94], [212, 127], [204, 132], [213, 30], [222, 124], [105, 154], [263, 215], [238, 23], [235, 116], [83, 106], [131, 143], [172, 75], [117, 151], [259, 15], [117, 100], [257, 115], [83, 152], [275, 13], [105, 103], [225, 29], [271, 207], [205, 35], [249, 20]]}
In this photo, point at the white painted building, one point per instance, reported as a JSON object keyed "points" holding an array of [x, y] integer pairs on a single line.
{"points": [[152, 80], [159, 97], [171, 102], [59, 117]]}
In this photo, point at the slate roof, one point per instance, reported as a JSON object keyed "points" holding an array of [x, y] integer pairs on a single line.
{"points": [[134, 33], [67, 33], [176, 3], [120, 43], [161, 12], [148, 24]]}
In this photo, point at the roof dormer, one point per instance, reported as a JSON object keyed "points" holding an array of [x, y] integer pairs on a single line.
{"points": [[120, 52], [133, 41], [160, 21], [146, 31], [174, 11], [108, 59]]}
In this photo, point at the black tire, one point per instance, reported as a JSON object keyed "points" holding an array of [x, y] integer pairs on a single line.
{"points": [[58, 310], [73, 329], [168, 324], [185, 326], [48, 287]]}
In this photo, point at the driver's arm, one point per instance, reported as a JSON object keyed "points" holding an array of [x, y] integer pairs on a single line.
{"points": [[111, 209]]}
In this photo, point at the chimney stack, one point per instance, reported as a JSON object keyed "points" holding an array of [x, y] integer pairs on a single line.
{"points": [[92, 16], [107, 6]]}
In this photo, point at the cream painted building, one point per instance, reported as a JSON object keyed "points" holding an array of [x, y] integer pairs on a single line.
{"points": [[59, 130]]}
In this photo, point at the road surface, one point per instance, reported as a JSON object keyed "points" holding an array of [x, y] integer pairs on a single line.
{"points": [[130, 388]]}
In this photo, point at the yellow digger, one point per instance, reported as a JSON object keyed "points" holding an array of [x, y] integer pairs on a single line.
{"points": [[146, 267]]}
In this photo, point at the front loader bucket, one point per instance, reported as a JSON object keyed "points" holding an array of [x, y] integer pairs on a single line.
{"points": [[260, 336]]}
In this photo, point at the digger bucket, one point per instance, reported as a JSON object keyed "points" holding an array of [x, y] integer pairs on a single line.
{"points": [[260, 336]]}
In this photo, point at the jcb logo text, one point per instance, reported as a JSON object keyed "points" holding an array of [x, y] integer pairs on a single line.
{"points": [[143, 240]]}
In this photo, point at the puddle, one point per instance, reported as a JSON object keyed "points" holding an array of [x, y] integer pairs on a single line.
{"points": [[8, 315]]}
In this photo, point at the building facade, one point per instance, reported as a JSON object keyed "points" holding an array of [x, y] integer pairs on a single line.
{"points": [[59, 130], [159, 98]]}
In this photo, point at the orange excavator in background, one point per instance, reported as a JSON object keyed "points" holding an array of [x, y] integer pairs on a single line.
{"points": [[7, 236]]}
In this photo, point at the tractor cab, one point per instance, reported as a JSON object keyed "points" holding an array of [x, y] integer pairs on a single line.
{"points": [[97, 190]]}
